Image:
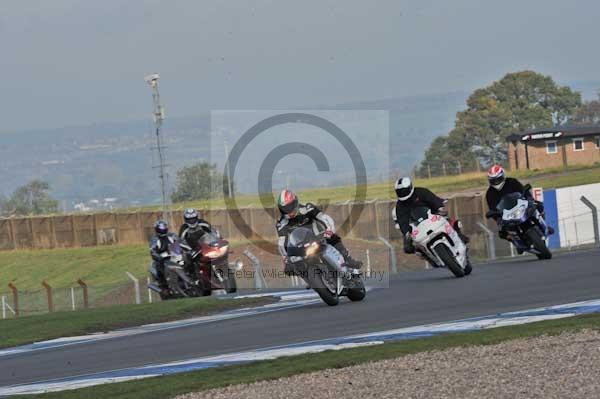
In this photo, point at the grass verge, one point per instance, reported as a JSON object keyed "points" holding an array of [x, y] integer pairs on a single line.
{"points": [[21, 331], [547, 178], [165, 387]]}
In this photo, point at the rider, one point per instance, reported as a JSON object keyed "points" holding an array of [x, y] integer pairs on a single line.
{"points": [[193, 227], [294, 214], [500, 185], [159, 250], [411, 197]]}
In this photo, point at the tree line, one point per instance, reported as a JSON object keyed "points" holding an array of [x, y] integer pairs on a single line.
{"points": [[519, 101]]}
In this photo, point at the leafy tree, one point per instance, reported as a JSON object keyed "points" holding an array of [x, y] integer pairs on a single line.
{"points": [[588, 113], [30, 199], [199, 181], [519, 101]]}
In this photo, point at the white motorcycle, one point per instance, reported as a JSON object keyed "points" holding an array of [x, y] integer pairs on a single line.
{"points": [[438, 241]]}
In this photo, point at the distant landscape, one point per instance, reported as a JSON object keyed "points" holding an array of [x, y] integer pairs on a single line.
{"points": [[111, 164]]}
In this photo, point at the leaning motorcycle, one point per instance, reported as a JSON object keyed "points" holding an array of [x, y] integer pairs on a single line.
{"points": [[322, 267], [523, 224], [435, 238]]}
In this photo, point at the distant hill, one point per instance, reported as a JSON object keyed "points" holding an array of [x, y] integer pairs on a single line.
{"points": [[115, 159]]}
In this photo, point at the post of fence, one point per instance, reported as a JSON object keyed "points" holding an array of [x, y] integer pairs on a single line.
{"points": [[491, 243], [73, 298], [15, 292], [392, 254], [149, 290], [136, 286], [84, 287], [49, 295], [594, 210], [368, 264], [3, 307], [259, 280]]}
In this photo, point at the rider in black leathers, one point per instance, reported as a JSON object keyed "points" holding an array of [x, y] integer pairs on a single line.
{"points": [[294, 214], [159, 250], [193, 228], [500, 185], [409, 198]]}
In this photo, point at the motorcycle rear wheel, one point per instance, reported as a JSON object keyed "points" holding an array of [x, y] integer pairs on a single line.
{"points": [[449, 260], [358, 291]]}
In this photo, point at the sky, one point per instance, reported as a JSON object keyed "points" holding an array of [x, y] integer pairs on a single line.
{"points": [[67, 62]]}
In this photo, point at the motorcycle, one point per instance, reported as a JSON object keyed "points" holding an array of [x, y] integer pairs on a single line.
{"points": [[322, 267], [436, 239], [523, 223], [210, 269]]}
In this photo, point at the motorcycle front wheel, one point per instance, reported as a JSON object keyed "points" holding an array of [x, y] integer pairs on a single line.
{"points": [[536, 240], [324, 282], [449, 260]]}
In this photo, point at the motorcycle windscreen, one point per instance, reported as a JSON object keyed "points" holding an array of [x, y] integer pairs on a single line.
{"points": [[209, 238], [297, 239], [419, 214], [509, 201]]}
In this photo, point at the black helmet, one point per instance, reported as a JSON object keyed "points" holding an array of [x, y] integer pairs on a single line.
{"points": [[404, 188], [190, 216], [161, 227], [287, 202]]}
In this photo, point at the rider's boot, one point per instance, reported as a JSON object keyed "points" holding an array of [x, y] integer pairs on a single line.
{"points": [[350, 261]]}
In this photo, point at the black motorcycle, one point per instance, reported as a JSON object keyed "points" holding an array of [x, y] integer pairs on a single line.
{"points": [[523, 224], [322, 267]]}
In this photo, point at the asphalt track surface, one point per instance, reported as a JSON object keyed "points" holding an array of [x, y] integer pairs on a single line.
{"points": [[414, 298]]}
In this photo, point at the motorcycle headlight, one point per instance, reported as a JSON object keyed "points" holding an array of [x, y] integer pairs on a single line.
{"points": [[312, 248], [217, 252], [516, 213]]}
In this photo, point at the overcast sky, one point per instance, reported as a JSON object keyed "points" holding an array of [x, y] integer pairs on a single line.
{"points": [[66, 62]]}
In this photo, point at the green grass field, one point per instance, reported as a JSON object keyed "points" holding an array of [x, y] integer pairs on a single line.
{"points": [[170, 386], [62, 267], [549, 178], [36, 328]]}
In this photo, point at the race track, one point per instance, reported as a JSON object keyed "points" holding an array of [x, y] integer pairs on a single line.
{"points": [[413, 299]]}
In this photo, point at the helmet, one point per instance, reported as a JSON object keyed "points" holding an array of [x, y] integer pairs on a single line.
{"points": [[190, 216], [497, 177], [287, 202], [161, 227], [404, 188]]}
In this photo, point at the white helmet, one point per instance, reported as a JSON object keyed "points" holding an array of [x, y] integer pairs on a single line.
{"points": [[404, 188]]}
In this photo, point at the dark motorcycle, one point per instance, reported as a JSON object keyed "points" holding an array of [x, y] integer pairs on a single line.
{"points": [[523, 224], [178, 283], [211, 269], [322, 267]]}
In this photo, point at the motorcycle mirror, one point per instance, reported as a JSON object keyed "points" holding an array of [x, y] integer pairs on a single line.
{"points": [[527, 187]]}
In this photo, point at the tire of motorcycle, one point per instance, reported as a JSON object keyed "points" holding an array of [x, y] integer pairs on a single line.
{"points": [[449, 260], [314, 278], [468, 268], [358, 291], [535, 238]]}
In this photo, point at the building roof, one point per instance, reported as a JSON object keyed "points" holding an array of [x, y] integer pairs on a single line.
{"points": [[555, 132]]}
